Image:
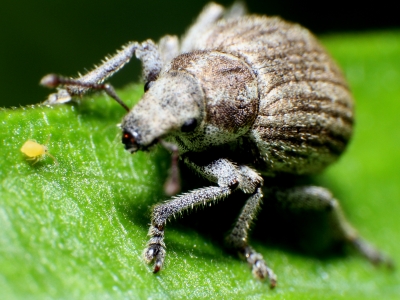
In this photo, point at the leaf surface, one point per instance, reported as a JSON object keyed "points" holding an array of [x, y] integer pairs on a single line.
{"points": [[77, 229]]}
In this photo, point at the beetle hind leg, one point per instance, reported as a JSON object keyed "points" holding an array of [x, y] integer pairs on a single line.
{"points": [[371, 253], [306, 198]]}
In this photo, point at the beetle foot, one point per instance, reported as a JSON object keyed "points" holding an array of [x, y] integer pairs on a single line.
{"points": [[155, 250], [260, 269], [372, 254], [155, 253]]}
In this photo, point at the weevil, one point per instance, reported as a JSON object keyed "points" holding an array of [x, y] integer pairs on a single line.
{"points": [[35, 151], [243, 98]]}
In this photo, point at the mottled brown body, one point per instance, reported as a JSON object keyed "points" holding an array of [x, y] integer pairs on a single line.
{"points": [[302, 117]]}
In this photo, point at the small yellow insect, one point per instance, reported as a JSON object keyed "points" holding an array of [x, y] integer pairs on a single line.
{"points": [[35, 151]]}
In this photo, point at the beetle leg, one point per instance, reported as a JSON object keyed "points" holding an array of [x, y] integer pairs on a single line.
{"points": [[210, 14], [161, 213], [168, 47], [147, 52], [320, 199], [221, 171], [84, 83], [250, 182], [238, 238], [229, 177], [238, 9], [152, 63]]}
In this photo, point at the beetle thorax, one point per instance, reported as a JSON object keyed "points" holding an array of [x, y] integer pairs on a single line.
{"points": [[230, 95]]}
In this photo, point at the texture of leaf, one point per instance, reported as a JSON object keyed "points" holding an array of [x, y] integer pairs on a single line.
{"points": [[77, 229]]}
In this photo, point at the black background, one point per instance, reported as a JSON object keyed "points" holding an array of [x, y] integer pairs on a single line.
{"points": [[66, 37]]}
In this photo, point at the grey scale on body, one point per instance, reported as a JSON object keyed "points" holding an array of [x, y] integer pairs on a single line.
{"points": [[244, 98]]}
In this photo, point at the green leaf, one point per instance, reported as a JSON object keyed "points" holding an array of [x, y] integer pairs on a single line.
{"points": [[77, 229]]}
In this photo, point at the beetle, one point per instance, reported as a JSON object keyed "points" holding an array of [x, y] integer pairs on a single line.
{"points": [[241, 99]]}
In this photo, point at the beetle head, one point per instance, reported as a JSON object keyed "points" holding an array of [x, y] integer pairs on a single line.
{"points": [[173, 104]]}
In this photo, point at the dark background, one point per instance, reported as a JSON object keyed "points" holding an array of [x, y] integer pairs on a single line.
{"points": [[66, 37]]}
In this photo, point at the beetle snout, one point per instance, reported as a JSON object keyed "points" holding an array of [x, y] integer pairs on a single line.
{"points": [[131, 140]]}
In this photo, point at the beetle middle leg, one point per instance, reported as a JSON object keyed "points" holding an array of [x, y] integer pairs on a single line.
{"points": [[238, 237]]}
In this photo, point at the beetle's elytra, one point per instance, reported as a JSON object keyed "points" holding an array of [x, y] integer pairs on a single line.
{"points": [[240, 98]]}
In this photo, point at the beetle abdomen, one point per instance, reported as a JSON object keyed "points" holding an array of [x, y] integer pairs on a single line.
{"points": [[305, 113]]}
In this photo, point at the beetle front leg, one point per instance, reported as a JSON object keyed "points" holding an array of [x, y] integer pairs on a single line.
{"points": [[221, 171], [156, 248], [93, 79], [210, 15], [147, 52], [168, 47]]}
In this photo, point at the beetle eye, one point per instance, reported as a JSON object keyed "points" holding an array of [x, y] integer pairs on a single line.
{"points": [[189, 125], [128, 139], [148, 85]]}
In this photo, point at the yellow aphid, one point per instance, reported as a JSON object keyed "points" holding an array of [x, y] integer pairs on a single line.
{"points": [[35, 151]]}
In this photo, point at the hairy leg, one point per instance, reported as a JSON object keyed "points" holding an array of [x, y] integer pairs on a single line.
{"points": [[229, 177], [84, 83], [161, 213], [152, 56], [221, 171], [306, 198], [168, 47], [238, 238], [210, 14], [147, 52]]}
